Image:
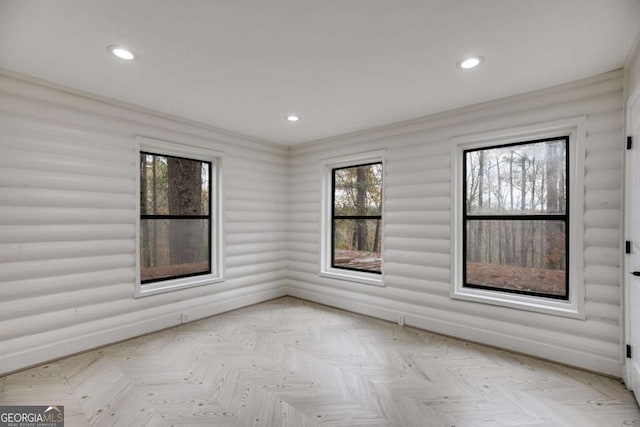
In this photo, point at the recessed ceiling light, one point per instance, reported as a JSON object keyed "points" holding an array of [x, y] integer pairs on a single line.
{"points": [[470, 62], [293, 118], [121, 52]]}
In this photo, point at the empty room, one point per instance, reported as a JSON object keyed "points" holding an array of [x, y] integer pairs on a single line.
{"points": [[304, 213]]}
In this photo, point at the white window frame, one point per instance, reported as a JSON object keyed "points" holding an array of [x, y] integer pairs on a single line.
{"points": [[576, 129], [161, 147], [326, 270]]}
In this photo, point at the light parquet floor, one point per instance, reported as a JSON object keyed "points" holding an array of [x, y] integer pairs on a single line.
{"points": [[289, 362]]}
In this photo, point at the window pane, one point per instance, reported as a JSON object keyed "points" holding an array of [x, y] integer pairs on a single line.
{"points": [[173, 186], [519, 179], [358, 190], [517, 255], [357, 244], [174, 247]]}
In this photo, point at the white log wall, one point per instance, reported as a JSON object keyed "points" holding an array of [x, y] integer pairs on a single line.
{"points": [[417, 221], [67, 223]]}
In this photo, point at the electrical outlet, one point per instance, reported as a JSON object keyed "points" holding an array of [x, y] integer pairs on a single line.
{"points": [[401, 319], [185, 317]]}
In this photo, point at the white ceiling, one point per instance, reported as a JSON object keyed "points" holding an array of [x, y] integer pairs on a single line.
{"points": [[343, 65]]}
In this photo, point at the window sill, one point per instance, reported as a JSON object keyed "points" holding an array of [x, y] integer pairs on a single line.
{"points": [[155, 288], [522, 302], [354, 276]]}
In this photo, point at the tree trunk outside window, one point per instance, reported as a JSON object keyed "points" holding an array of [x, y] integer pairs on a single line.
{"points": [[185, 198], [361, 207]]}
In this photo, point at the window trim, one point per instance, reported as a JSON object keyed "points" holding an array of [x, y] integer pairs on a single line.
{"points": [[215, 159], [576, 129], [326, 221]]}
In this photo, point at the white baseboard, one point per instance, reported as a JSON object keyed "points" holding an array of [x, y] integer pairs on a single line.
{"points": [[514, 343], [229, 300]]}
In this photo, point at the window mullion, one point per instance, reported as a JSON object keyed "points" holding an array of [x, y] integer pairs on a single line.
{"points": [[549, 217], [151, 216]]}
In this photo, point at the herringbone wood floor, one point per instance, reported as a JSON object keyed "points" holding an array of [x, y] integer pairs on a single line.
{"points": [[289, 362]]}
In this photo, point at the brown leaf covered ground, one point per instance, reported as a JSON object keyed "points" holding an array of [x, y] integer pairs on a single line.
{"points": [[161, 271], [519, 278], [361, 260]]}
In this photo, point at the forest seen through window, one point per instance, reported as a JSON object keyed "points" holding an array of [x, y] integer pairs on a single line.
{"points": [[175, 218], [516, 218], [357, 217]]}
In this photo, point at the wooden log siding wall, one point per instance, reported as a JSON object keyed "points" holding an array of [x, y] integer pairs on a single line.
{"points": [[67, 223], [417, 220]]}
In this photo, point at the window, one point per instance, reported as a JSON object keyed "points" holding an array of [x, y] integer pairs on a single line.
{"points": [[175, 217], [352, 225], [178, 229], [518, 197], [357, 217], [516, 218]]}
